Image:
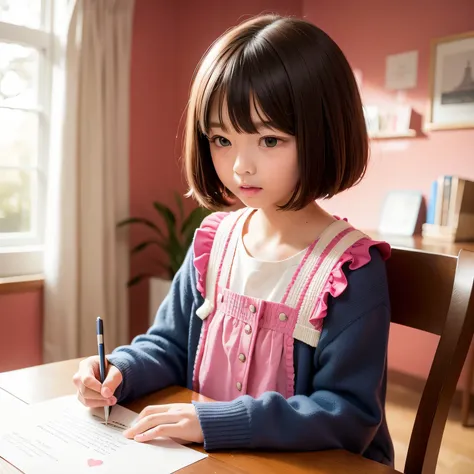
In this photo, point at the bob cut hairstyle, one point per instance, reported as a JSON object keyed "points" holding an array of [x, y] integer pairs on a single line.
{"points": [[299, 81]]}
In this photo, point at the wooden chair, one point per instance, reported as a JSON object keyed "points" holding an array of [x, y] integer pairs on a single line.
{"points": [[434, 293]]}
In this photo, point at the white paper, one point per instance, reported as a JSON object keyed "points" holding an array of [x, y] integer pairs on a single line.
{"points": [[9, 408], [61, 435], [401, 70]]}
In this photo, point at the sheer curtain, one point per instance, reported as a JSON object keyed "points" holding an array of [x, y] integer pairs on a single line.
{"points": [[86, 257]]}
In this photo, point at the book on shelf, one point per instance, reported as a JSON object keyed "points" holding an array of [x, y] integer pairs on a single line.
{"points": [[450, 214]]}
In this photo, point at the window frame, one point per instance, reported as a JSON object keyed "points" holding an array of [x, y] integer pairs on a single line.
{"points": [[22, 253]]}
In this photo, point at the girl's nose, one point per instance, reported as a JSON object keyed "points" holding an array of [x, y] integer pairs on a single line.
{"points": [[244, 165]]}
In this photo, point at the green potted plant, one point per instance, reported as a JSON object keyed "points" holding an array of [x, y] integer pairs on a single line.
{"points": [[174, 241]]}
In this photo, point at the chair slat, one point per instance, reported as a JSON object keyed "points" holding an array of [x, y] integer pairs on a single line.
{"points": [[420, 286]]}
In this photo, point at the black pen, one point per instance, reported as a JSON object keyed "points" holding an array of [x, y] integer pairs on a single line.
{"points": [[101, 348]]}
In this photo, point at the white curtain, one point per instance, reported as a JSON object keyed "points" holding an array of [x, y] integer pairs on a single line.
{"points": [[86, 257]]}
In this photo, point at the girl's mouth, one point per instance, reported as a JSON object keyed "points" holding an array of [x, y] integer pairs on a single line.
{"points": [[249, 190]]}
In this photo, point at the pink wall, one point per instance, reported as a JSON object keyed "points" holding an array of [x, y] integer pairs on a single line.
{"points": [[20, 330], [367, 31], [154, 171]]}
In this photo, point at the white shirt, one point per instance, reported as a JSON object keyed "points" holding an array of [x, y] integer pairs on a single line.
{"points": [[262, 279]]}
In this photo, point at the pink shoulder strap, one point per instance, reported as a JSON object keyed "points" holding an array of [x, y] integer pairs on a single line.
{"points": [[217, 259], [313, 274]]}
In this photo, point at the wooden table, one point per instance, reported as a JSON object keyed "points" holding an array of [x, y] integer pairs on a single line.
{"points": [[422, 243], [36, 384]]}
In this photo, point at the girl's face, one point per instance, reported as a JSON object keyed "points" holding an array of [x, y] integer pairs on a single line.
{"points": [[260, 169]]}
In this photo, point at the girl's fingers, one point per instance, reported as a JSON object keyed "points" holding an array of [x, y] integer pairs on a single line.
{"points": [[89, 387], [86, 376], [89, 394], [112, 381], [91, 382], [152, 421], [89, 373], [91, 403], [174, 430], [153, 410]]}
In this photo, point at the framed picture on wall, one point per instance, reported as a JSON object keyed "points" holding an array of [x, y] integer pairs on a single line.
{"points": [[452, 82]]}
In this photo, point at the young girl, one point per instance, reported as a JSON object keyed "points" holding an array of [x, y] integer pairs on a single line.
{"points": [[280, 311]]}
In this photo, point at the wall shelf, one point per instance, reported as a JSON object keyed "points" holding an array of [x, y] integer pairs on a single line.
{"points": [[392, 135]]}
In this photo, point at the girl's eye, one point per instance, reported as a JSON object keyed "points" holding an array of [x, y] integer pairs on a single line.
{"points": [[270, 142], [220, 141]]}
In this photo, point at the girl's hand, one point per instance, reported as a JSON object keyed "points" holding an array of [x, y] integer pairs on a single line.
{"points": [[177, 420], [89, 389]]}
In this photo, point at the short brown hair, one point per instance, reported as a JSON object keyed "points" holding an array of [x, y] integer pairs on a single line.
{"points": [[304, 86]]}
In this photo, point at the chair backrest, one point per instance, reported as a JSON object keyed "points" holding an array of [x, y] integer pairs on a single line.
{"points": [[434, 293]]}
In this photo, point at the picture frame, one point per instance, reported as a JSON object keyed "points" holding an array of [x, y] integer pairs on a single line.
{"points": [[452, 82]]}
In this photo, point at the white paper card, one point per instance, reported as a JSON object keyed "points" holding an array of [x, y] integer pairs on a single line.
{"points": [[10, 407], [401, 70], [61, 435]]}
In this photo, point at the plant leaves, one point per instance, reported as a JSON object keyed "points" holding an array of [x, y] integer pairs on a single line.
{"points": [[143, 221], [170, 220], [175, 252], [137, 279], [192, 222], [167, 214], [176, 243], [147, 243], [173, 244], [175, 267], [194, 219], [168, 270], [179, 202]]}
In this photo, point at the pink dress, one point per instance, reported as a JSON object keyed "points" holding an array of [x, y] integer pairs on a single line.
{"points": [[246, 344]]}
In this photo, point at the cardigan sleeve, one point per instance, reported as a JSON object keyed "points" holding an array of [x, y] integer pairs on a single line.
{"points": [[158, 359]]}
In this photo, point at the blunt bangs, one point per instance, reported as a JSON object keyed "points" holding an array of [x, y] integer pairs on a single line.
{"points": [[250, 78]]}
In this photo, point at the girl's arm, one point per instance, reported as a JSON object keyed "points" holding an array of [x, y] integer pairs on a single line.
{"points": [[346, 405], [158, 358]]}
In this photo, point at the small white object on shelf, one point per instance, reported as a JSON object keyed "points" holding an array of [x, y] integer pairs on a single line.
{"points": [[388, 135], [400, 213]]}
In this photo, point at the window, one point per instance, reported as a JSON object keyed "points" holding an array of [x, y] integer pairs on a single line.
{"points": [[26, 43]]}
